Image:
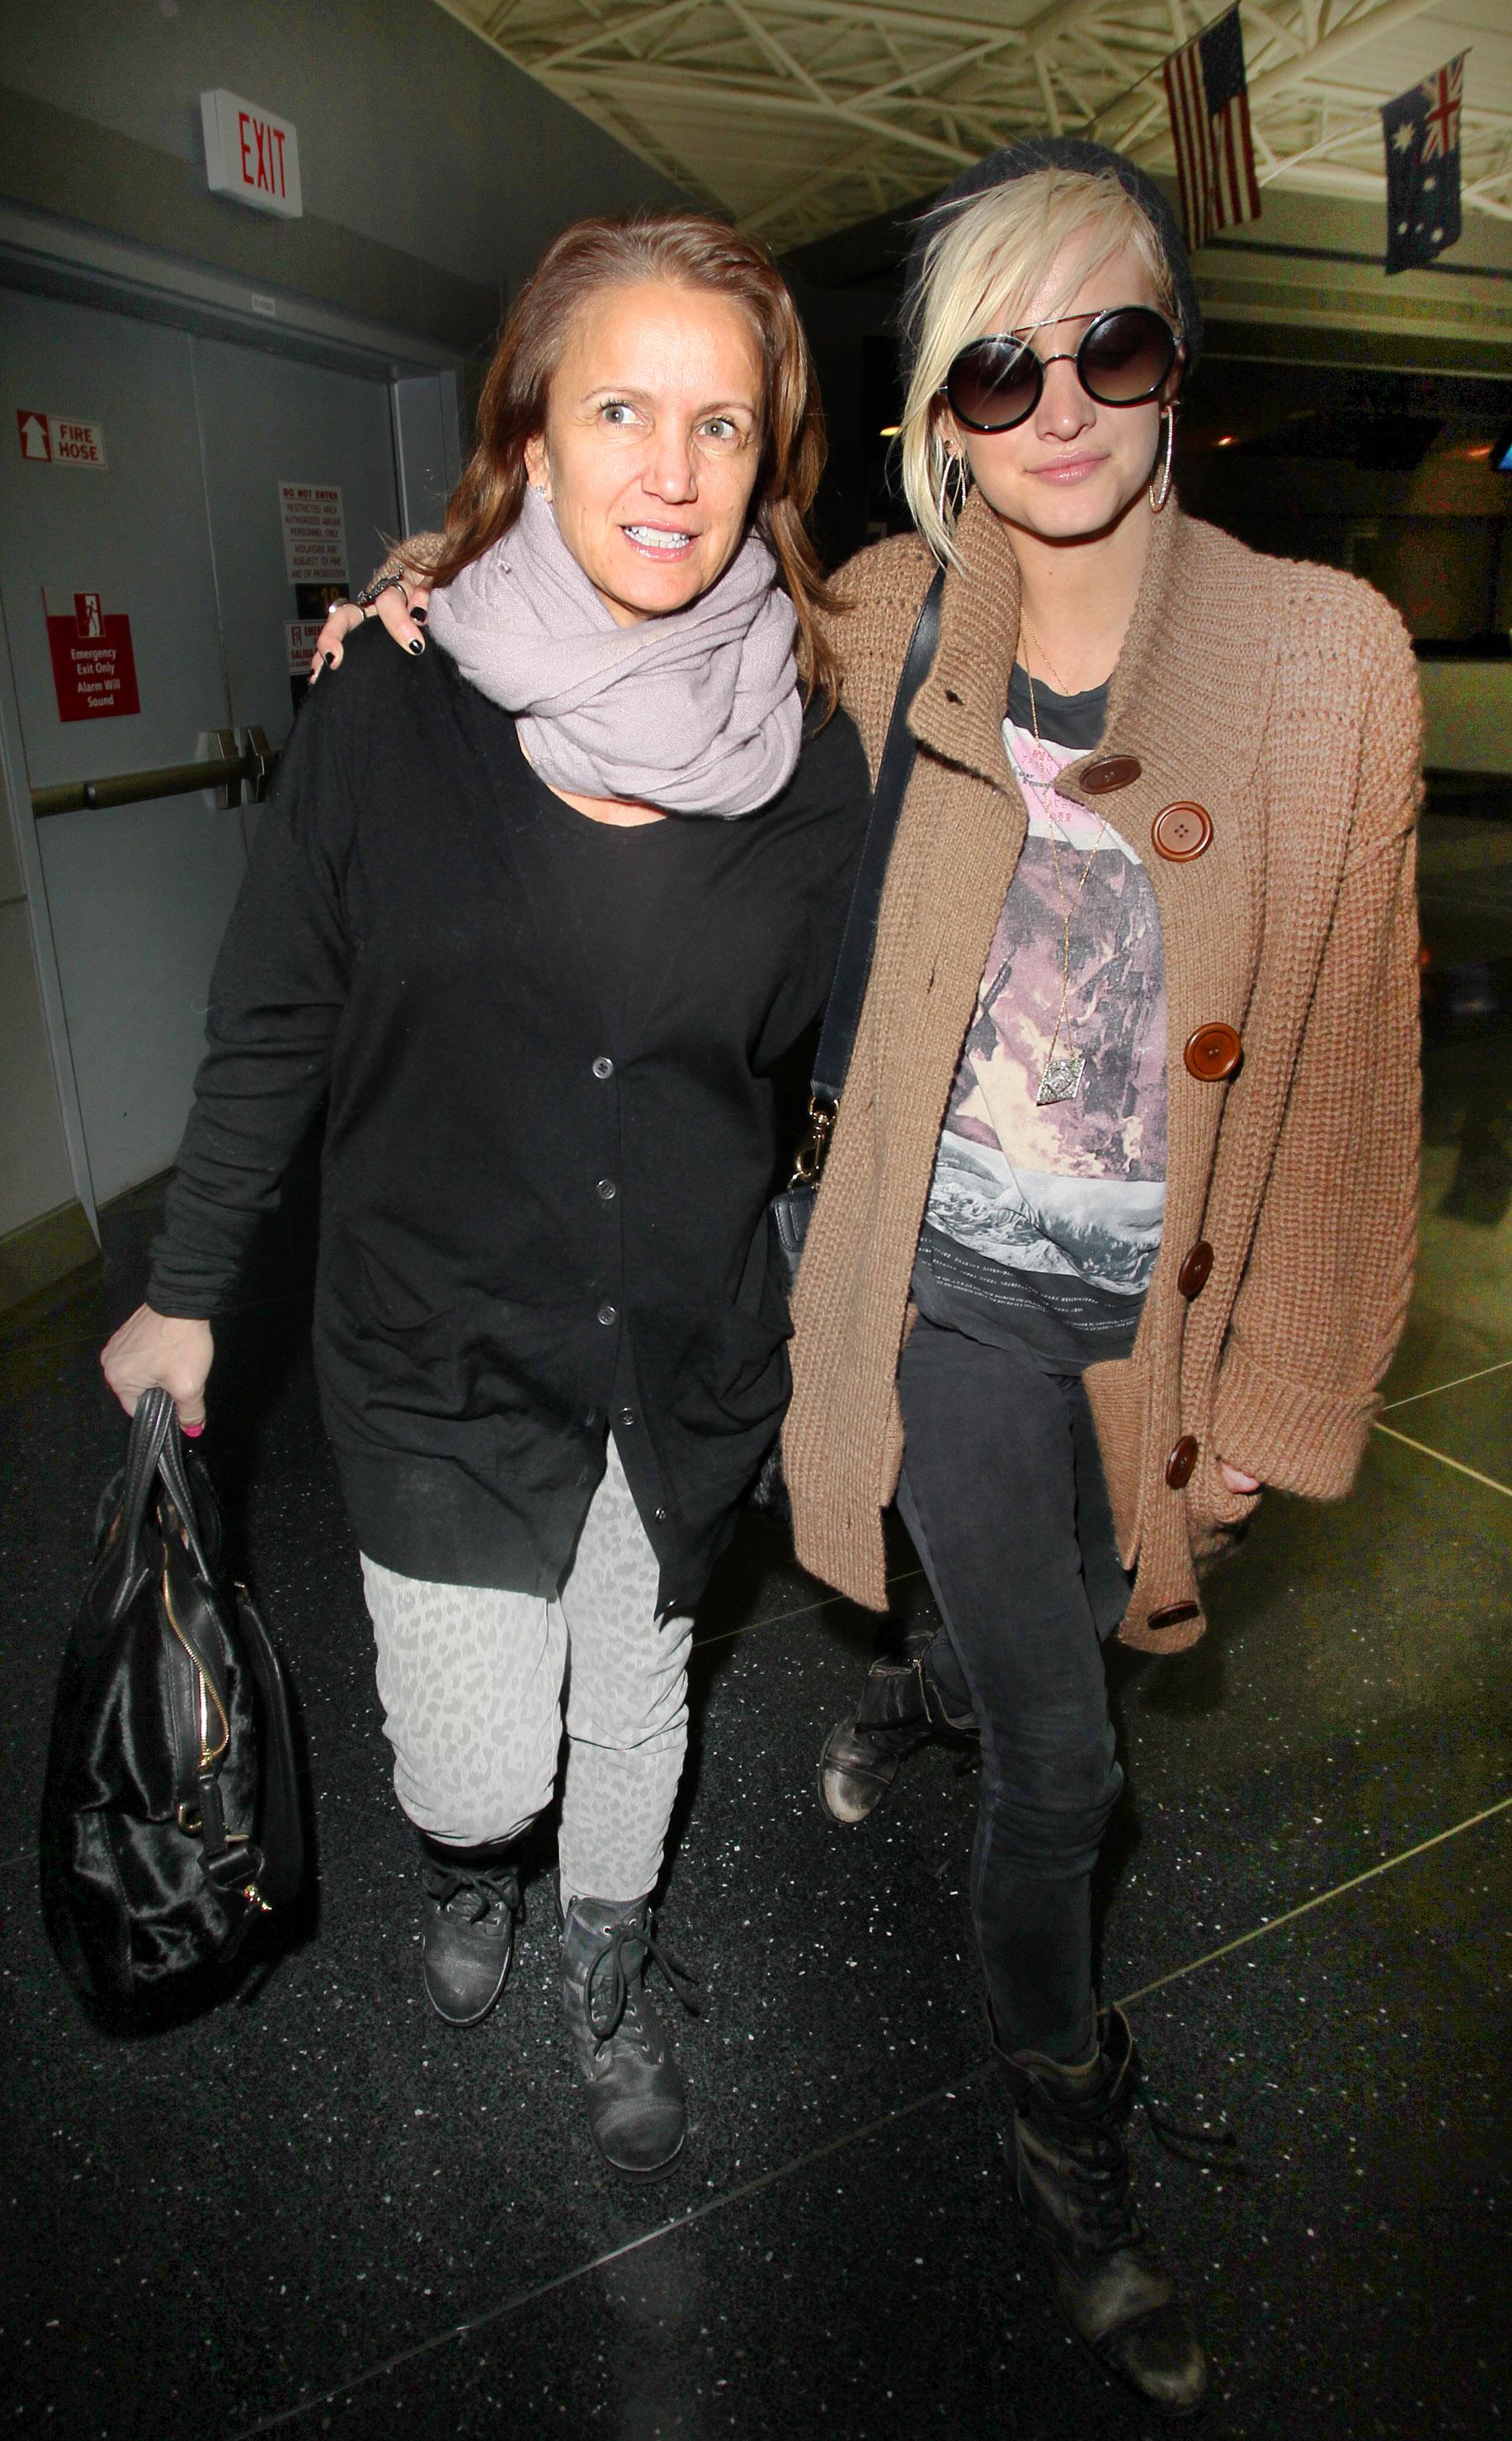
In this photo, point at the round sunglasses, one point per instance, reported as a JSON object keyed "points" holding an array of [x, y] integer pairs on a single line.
{"points": [[1123, 359]]}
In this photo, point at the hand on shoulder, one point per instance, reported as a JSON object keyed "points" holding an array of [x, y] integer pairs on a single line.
{"points": [[400, 595]]}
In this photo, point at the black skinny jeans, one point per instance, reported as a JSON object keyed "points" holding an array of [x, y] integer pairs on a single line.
{"points": [[1003, 1492]]}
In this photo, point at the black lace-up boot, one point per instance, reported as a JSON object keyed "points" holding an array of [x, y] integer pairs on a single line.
{"points": [[900, 1710], [473, 1898], [638, 2112], [1070, 2165]]}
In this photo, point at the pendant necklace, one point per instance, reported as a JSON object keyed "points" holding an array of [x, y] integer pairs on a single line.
{"points": [[1061, 1077]]}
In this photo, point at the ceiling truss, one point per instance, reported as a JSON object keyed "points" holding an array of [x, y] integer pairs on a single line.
{"points": [[800, 116]]}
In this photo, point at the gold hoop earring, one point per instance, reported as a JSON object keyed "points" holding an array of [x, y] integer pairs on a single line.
{"points": [[1161, 483]]}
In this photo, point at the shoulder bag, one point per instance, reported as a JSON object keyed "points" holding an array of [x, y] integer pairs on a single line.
{"points": [[831, 1060], [793, 1208]]}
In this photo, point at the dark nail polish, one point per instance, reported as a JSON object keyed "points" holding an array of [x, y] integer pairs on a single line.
{"points": [[329, 659], [420, 617], [417, 645]]}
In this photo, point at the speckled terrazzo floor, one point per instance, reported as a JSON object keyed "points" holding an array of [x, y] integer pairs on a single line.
{"points": [[317, 2211]]}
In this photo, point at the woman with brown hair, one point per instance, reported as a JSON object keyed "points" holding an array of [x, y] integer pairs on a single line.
{"points": [[535, 916]]}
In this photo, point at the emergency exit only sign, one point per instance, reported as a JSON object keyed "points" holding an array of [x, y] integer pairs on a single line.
{"points": [[251, 154], [94, 668]]}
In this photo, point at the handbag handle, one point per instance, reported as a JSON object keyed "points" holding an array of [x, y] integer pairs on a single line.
{"points": [[152, 1453], [174, 1476], [120, 1566], [842, 1015]]}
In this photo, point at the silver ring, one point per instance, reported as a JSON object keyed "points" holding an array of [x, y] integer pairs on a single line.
{"points": [[370, 593]]}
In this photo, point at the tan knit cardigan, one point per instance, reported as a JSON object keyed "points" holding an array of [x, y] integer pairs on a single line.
{"points": [[1284, 699]]}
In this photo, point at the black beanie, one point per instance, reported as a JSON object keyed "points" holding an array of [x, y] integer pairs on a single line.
{"points": [[1020, 160]]}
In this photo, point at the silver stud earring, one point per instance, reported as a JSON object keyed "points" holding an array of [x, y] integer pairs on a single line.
{"points": [[1161, 483]]}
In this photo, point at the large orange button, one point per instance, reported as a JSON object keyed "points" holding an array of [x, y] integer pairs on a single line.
{"points": [[1193, 1276], [1111, 771], [1179, 1464], [1173, 1615], [1213, 1053], [1181, 832]]}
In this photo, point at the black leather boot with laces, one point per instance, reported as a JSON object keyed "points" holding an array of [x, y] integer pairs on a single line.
{"points": [[1069, 2166], [638, 2112], [473, 1903], [900, 1710]]}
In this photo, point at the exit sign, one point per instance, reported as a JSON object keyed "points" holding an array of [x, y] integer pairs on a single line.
{"points": [[251, 154]]}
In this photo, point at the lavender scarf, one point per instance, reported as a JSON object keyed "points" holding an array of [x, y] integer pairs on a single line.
{"points": [[698, 713]]}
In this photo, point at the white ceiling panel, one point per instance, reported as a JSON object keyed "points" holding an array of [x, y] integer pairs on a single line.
{"points": [[800, 116]]}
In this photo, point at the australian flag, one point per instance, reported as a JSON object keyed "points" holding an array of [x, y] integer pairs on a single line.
{"points": [[1422, 131]]}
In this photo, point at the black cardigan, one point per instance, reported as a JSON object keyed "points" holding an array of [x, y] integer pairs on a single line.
{"points": [[530, 1232]]}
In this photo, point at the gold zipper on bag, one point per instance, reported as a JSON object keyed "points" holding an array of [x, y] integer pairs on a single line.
{"points": [[188, 1819], [208, 1696]]}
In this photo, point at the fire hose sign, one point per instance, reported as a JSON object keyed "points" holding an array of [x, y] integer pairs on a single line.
{"points": [[60, 440]]}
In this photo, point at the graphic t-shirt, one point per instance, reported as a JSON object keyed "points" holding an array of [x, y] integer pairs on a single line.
{"points": [[1044, 1218]]}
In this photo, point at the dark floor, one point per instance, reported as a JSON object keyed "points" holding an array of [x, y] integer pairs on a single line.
{"points": [[318, 2211]]}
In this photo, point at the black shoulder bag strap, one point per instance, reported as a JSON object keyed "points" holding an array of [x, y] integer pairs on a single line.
{"points": [[854, 964]]}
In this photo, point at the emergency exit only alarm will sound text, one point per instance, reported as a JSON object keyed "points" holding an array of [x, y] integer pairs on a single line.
{"points": [[94, 668], [251, 154]]}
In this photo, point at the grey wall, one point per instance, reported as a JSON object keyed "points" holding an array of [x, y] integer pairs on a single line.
{"points": [[433, 173], [419, 146]]}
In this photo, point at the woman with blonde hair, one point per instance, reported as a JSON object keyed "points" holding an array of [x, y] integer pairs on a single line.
{"points": [[1118, 1217], [536, 917]]}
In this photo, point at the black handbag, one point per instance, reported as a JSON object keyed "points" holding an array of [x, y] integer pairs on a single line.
{"points": [[831, 1060], [792, 1209], [171, 1819]]}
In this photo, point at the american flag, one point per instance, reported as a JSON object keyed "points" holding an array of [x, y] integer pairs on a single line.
{"points": [[1210, 120]]}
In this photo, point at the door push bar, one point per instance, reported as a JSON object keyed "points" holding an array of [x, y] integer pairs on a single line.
{"points": [[227, 769]]}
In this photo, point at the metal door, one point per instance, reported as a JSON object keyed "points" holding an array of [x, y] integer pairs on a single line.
{"points": [[267, 420], [181, 532], [137, 896]]}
